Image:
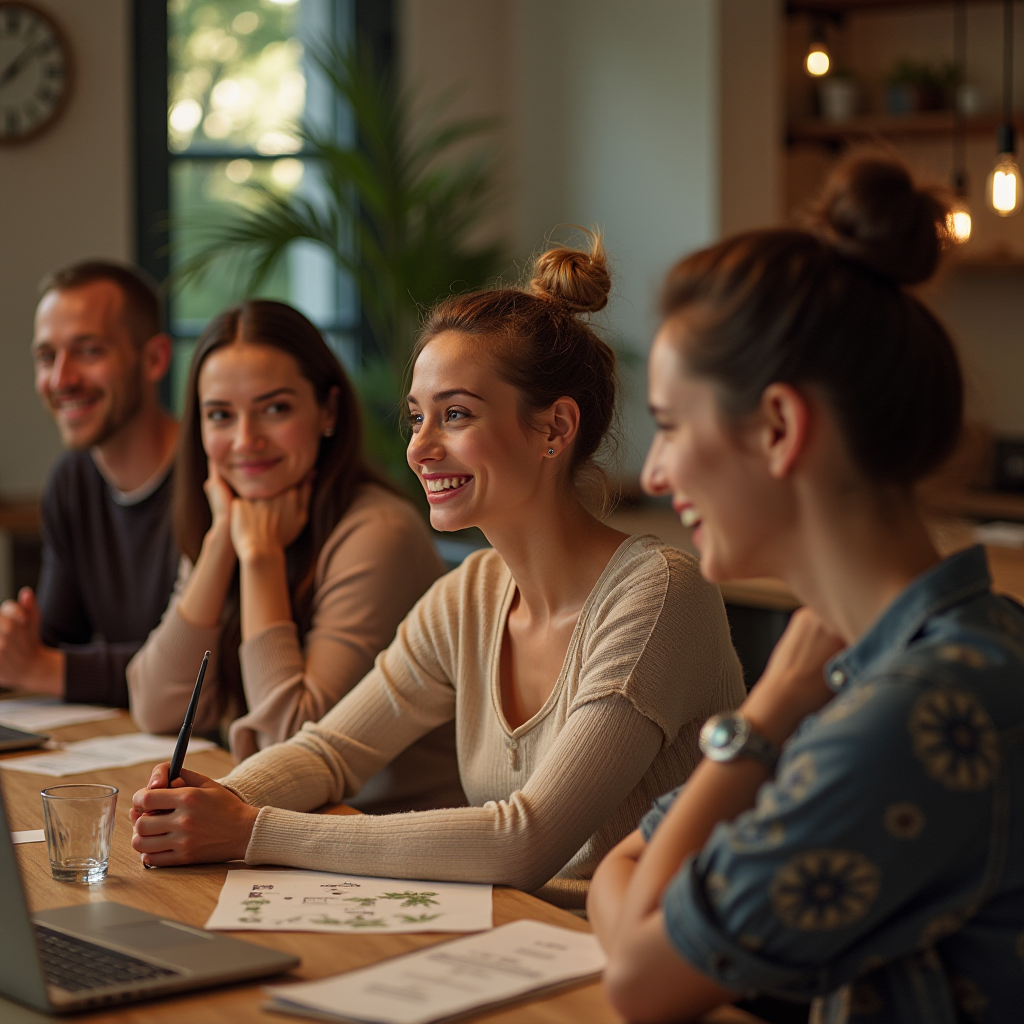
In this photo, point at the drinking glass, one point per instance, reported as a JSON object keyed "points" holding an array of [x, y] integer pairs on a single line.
{"points": [[79, 822]]}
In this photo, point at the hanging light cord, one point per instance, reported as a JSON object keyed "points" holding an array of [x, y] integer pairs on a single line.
{"points": [[1008, 61], [959, 126]]}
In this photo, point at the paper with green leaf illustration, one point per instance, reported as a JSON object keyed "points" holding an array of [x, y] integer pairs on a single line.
{"points": [[319, 901]]}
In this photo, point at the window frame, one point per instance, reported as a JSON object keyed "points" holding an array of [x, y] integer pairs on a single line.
{"points": [[374, 26]]}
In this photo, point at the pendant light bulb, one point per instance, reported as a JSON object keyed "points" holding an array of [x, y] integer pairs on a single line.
{"points": [[958, 219], [1004, 191], [817, 62], [958, 223]]}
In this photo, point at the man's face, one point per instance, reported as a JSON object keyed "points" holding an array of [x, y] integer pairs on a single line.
{"points": [[88, 371]]}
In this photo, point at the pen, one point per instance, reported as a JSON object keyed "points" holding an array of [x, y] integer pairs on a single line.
{"points": [[186, 727], [178, 758]]}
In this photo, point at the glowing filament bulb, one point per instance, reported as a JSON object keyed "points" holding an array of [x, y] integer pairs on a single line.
{"points": [[1004, 191], [958, 224], [817, 61]]}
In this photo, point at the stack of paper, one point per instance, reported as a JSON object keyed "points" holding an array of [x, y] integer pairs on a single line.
{"points": [[37, 714], [449, 979], [101, 752]]}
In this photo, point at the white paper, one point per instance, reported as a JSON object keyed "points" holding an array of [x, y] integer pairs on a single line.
{"points": [[37, 714], [320, 901], [451, 978], [101, 752], [32, 835], [1000, 535]]}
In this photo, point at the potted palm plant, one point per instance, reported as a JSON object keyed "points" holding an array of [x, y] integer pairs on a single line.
{"points": [[397, 212]]}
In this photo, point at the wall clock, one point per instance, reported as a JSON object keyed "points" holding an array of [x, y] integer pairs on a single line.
{"points": [[35, 71]]}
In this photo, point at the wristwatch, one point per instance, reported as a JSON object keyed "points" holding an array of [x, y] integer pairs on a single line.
{"points": [[730, 736]]}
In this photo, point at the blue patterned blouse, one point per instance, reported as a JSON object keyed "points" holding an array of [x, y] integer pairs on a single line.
{"points": [[881, 872]]}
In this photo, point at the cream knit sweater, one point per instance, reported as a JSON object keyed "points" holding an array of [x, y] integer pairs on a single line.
{"points": [[650, 659]]}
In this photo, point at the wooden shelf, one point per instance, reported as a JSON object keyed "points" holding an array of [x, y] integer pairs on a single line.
{"points": [[20, 517], [887, 126], [854, 6]]}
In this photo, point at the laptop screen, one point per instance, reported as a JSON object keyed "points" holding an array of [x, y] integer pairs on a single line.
{"points": [[21, 974]]}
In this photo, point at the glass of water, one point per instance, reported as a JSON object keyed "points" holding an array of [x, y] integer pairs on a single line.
{"points": [[79, 824]]}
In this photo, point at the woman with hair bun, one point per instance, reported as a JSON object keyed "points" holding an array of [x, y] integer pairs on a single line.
{"points": [[576, 662], [855, 834]]}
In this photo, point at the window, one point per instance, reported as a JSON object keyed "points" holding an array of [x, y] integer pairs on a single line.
{"points": [[240, 83]]}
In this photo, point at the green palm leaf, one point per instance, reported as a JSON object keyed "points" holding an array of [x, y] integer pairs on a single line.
{"points": [[396, 212]]}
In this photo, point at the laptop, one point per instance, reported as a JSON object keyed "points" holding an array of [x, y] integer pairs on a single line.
{"points": [[18, 739], [100, 953]]}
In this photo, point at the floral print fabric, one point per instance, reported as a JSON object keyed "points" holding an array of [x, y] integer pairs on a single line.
{"points": [[881, 872]]}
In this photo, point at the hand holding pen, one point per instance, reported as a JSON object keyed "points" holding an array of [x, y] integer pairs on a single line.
{"points": [[183, 817]]}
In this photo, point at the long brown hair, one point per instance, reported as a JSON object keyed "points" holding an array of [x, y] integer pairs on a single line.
{"points": [[340, 466]]}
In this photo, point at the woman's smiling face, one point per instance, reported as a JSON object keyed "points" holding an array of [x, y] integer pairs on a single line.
{"points": [[261, 422], [712, 470], [475, 459]]}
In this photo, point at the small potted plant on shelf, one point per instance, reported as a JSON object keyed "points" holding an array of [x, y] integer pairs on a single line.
{"points": [[838, 96], [914, 86]]}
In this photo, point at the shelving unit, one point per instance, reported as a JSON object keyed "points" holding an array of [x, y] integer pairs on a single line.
{"points": [[887, 126], [841, 7]]}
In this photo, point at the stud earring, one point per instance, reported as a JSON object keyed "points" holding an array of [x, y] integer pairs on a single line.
{"points": [[329, 432], [551, 451]]}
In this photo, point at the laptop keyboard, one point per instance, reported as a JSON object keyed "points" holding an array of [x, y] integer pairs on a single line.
{"points": [[75, 965]]}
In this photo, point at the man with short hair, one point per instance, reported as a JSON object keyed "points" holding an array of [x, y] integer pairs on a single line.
{"points": [[109, 559]]}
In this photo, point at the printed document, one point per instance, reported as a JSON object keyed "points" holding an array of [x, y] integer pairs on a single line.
{"points": [[320, 901], [102, 752], [450, 978], [37, 714]]}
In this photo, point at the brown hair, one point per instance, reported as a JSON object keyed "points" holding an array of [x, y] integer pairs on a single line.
{"points": [[340, 465], [827, 306], [541, 344], [141, 296]]}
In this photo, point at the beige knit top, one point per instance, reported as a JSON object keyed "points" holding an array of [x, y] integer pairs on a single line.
{"points": [[375, 565], [650, 659]]}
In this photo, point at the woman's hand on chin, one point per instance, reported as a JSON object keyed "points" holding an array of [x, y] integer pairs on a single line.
{"points": [[219, 495], [196, 821], [793, 685], [266, 526]]}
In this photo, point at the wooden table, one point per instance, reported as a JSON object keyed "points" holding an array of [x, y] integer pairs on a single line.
{"points": [[190, 893]]}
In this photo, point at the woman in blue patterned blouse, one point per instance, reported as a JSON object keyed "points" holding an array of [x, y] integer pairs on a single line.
{"points": [[854, 837]]}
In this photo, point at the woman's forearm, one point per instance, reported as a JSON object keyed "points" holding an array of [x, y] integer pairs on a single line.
{"points": [[713, 793], [202, 600], [263, 586], [609, 886]]}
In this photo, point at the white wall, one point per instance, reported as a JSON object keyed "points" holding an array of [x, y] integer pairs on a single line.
{"points": [[64, 196], [618, 115]]}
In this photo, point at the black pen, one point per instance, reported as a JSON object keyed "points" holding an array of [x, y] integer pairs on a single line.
{"points": [[178, 758], [186, 727]]}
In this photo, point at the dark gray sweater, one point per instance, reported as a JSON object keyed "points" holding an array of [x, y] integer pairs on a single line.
{"points": [[107, 575]]}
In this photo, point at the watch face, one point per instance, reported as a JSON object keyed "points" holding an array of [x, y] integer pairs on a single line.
{"points": [[724, 736], [34, 71]]}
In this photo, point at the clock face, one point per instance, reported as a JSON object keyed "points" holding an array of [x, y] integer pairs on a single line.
{"points": [[35, 72]]}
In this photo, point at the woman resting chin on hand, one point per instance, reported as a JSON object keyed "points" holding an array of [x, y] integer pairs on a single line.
{"points": [[298, 561]]}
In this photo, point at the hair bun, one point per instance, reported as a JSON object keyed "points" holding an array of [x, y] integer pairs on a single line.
{"points": [[579, 279], [871, 211]]}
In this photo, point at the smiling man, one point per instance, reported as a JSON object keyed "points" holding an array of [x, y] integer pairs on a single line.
{"points": [[109, 559]]}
